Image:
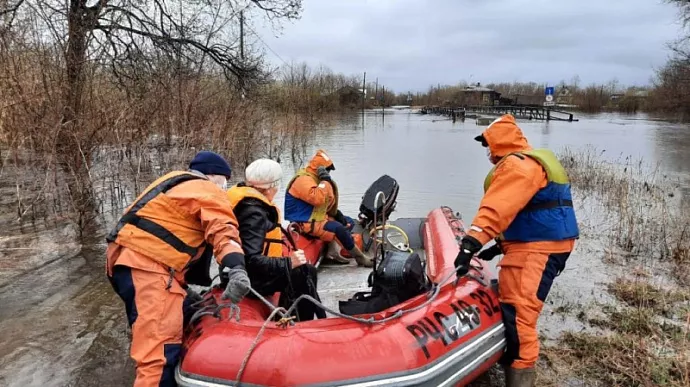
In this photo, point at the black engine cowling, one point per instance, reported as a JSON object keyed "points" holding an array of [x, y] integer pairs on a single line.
{"points": [[389, 187], [399, 277]]}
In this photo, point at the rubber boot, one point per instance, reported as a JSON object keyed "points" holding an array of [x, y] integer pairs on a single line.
{"points": [[360, 258], [523, 377], [333, 254]]}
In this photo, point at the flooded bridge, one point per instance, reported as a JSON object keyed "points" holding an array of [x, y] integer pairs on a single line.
{"points": [[529, 112]]}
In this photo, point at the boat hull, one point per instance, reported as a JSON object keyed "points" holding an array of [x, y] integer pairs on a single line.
{"points": [[446, 339]]}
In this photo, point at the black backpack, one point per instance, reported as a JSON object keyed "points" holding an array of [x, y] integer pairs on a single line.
{"points": [[399, 277]]}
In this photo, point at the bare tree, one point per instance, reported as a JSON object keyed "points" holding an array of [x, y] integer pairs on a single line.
{"points": [[59, 60], [130, 36]]}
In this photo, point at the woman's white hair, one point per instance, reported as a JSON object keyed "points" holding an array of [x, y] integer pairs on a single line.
{"points": [[263, 174]]}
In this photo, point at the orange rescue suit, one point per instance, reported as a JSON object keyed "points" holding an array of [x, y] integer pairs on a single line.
{"points": [[173, 220], [527, 269], [160, 238]]}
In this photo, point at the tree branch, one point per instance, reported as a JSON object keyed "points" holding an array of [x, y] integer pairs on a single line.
{"points": [[220, 54]]}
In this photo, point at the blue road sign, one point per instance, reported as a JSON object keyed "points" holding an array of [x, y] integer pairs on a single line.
{"points": [[549, 90]]}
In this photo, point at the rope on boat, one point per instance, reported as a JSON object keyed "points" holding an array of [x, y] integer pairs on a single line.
{"points": [[431, 296], [256, 342], [214, 308], [287, 319], [272, 307]]}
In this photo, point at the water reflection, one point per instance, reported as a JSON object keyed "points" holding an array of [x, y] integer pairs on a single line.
{"points": [[77, 329], [436, 161], [672, 150]]}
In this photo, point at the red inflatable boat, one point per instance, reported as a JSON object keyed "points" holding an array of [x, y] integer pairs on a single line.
{"points": [[446, 335]]}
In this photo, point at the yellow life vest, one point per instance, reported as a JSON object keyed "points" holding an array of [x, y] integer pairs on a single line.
{"points": [[320, 212], [554, 170], [273, 242]]}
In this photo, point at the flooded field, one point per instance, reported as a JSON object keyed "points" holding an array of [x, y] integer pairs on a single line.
{"points": [[63, 326]]}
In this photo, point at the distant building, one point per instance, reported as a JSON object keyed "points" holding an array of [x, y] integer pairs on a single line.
{"points": [[478, 95]]}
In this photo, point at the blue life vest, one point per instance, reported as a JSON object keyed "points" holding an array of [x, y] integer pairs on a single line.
{"points": [[549, 215], [297, 210]]}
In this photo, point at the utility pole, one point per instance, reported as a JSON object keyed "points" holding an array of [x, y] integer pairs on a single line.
{"points": [[383, 98], [383, 103], [364, 90], [242, 35], [242, 91], [376, 89]]}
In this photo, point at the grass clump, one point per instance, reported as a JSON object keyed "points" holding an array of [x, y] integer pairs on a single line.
{"points": [[646, 344], [645, 225], [637, 293], [623, 360], [642, 217]]}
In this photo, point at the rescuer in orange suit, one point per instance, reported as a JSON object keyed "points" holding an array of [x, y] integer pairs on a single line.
{"points": [[164, 241], [312, 202], [527, 207]]}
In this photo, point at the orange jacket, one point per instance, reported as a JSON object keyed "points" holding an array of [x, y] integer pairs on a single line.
{"points": [[170, 224], [306, 189], [515, 181]]}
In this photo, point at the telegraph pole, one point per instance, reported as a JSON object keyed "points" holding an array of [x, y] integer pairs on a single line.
{"points": [[242, 35], [242, 50], [383, 101], [364, 90]]}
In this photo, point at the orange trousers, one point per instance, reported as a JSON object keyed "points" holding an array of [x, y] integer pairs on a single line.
{"points": [[155, 315], [524, 281]]}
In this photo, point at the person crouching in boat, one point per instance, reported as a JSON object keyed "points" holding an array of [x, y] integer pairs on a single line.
{"points": [[164, 241], [261, 234], [311, 196], [527, 206]]}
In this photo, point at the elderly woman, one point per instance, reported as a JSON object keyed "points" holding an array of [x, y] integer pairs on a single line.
{"points": [[261, 234]]}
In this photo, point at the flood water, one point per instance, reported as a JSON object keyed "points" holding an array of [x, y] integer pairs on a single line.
{"points": [[62, 325]]}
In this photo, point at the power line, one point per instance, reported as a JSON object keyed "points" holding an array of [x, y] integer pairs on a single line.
{"points": [[267, 46]]}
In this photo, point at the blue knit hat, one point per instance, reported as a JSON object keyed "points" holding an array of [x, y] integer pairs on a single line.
{"points": [[210, 163]]}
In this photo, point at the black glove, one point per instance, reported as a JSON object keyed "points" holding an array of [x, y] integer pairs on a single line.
{"points": [[490, 253], [323, 174], [193, 296], [468, 247], [340, 218]]}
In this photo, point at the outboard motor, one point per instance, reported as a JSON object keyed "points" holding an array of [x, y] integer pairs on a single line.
{"points": [[367, 209], [399, 277]]}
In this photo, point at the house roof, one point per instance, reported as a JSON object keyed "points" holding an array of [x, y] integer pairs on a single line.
{"points": [[477, 88]]}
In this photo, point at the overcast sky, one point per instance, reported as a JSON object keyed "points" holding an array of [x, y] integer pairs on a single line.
{"points": [[410, 45]]}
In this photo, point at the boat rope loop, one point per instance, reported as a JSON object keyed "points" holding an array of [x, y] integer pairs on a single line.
{"points": [[431, 296], [256, 340], [288, 319]]}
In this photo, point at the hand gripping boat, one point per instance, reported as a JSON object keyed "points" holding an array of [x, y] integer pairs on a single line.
{"points": [[446, 334]]}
